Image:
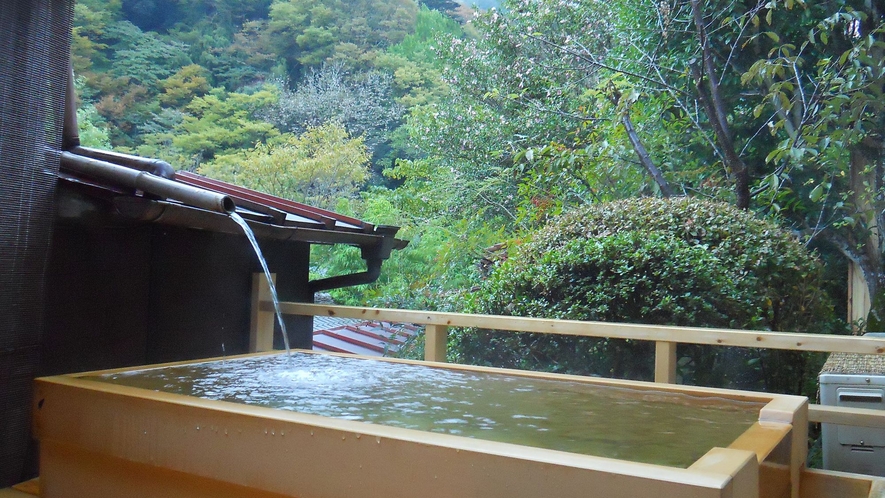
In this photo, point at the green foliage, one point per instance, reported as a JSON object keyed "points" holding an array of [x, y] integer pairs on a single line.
{"points": [[533, 106], [309, 33], [361, 102], [92, 129], [668, 262], [145, 58], [630, 276], [220, 122], [418, 46], [417, 71], [438, 214], [822, 87], [150, 14], [319, 167], [431, 273], [772, 268], [89, 26], [189, 82], [823, 98]]}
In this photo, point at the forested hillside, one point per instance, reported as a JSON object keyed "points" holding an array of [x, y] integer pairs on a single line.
{"points": [[471, 128]]}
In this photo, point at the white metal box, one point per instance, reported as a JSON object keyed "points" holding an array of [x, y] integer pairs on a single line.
{"points": [[853, 449]]}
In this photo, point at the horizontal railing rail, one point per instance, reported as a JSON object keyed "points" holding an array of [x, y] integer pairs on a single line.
{"points": [[657, 333], [858, 417], [665, 338]]}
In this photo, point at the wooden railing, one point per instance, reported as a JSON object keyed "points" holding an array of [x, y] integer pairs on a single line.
{"points": [[665, 338]]}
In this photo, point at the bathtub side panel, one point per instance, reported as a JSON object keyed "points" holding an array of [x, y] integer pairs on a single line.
{"points": [[196, 445]]}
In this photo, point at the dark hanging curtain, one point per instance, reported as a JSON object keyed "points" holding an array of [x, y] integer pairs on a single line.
{"points": [[35, 39]]}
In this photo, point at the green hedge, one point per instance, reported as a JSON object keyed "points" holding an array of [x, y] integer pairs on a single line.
{"points": [[683, 262]]}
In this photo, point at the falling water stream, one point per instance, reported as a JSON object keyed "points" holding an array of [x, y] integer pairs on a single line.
{"points": [[273, 288]]}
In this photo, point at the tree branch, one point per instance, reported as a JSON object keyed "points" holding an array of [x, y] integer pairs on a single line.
{"points": [[645, 158], [588, 58]]}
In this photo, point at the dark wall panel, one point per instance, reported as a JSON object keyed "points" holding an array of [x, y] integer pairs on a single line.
{"points": [[201, 285], [97, 316], [200, 291], [291, 263], [122, 294], [141, 294]]}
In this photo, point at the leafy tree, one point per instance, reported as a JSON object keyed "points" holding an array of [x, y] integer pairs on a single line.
{"points": [[189, 82], [145, 58], [150, 14], [513, 91], [247, 58], [219, 122], [433, 271], [308, 33], [92, 130], [822, 99], [125, 107], [224, 13], [90, 22], [163, 15], [430, 25], [124, 71], [519, 115], [616, 80], [362, 103], [440, 5], [319, 167], [798, 132], [234, 56], [417, 71]]}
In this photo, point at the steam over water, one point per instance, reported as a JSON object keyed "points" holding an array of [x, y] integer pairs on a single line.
{"points": [[642, 426]]}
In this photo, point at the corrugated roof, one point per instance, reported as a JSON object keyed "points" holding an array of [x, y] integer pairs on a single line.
{"points": [[321, 322], [270, 216], [284, 211], [364, 337]]}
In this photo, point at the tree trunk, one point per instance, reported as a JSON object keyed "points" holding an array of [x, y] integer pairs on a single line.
{"points": [[714, 107]]}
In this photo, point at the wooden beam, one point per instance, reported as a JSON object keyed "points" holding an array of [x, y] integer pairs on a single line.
{"points": [[761, 439], [435, 340], [741, 466], [683, 335], [857, 417], [665, 362], [262, 321], [817, 483]]}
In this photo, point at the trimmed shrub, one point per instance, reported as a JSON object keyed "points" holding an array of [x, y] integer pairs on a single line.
{"points": [[683, 262]]}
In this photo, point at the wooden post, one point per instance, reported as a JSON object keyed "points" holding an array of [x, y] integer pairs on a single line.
{"points": [[861, 177], [435, 339], [665, 362], [858, 295], [262, 322], [791, 410]]}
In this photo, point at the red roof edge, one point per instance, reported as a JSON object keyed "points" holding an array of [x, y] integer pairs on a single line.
{"points": [[328, 218]]}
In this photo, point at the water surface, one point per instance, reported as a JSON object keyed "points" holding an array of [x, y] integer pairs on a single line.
{"points": [[641, 426]]}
